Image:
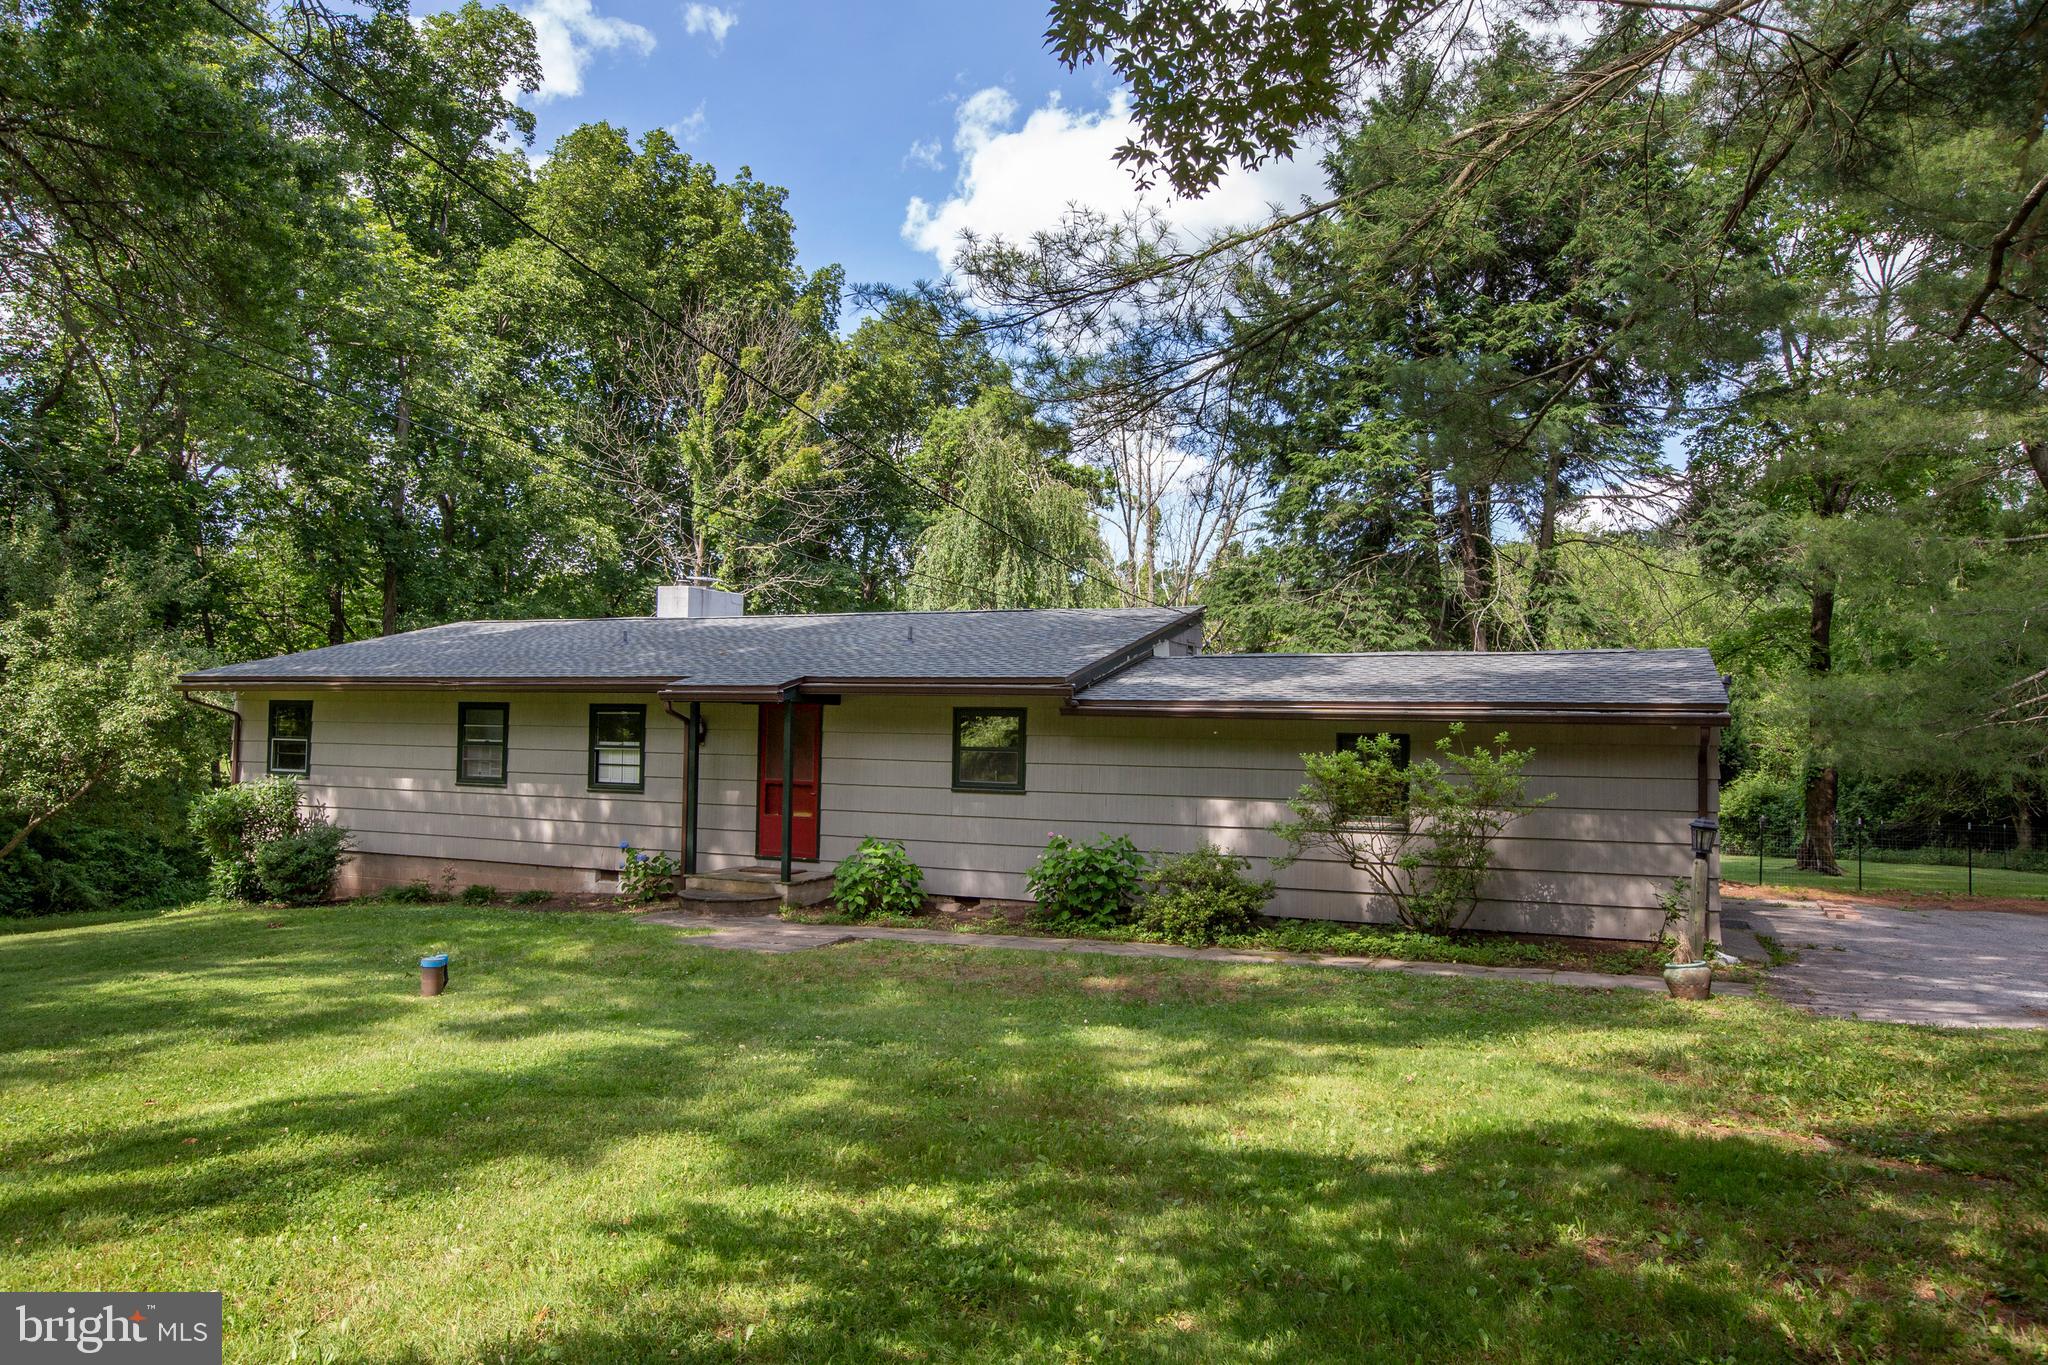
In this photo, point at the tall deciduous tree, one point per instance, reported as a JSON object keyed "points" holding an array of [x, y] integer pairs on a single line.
{"points": [[1019, 527]]}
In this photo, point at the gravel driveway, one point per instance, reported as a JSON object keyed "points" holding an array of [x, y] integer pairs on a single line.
{"points": [[1965, 968]]}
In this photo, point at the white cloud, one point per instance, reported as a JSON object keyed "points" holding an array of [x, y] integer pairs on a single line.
{"points": [[708, 21], [567, 33], [1014, 182], [925, 152], [691, 128]]}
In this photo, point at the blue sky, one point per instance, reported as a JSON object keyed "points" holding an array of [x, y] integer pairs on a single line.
{"points": [[943, 114]]}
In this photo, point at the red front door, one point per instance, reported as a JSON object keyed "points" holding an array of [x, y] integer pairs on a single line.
{"points": [[803, 839]]}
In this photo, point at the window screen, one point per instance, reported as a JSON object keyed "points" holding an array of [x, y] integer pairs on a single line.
{"points": [[291, 737], [618, 747], [480, 743], [988, 749]]}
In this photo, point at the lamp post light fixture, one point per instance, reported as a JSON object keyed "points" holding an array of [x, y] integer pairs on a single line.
{"points": [[1689, 976]]}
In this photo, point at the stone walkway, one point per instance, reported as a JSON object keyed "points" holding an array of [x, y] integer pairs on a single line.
{"points": [[767, 934], [1962, 968]]}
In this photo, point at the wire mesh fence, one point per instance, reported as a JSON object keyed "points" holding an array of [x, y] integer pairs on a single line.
{"points": [[1968, 847]]}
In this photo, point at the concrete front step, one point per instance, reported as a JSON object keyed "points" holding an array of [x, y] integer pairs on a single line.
{"points": [[762, 901], [806, 886]]}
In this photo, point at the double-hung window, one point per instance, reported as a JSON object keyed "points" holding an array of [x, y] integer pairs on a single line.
{"points": [[291, 737], [480, 743], [988, 749], [618, 747]]}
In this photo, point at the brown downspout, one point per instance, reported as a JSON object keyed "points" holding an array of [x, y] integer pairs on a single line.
{"points": [[691, 723], [1706, 742], [235, 752], [1712, 927]]}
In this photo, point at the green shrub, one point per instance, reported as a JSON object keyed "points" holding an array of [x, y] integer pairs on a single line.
{"points": [[231, 823], [878, 879], [1092, 885], [533, 896], [1422, 832], [105, 867], [299, 868], [265, 842], [476, 893], [415, 893], [646, 876], [1196, 897]]}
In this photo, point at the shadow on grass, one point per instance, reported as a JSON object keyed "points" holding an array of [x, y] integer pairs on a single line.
{"points": [[903, 1152]]}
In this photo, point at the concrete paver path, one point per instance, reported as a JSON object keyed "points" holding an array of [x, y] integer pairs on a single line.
{"points": [[768, 934], [1965, 968]]}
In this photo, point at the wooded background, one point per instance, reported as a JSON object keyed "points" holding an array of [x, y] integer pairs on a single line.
{"points": [[1619, 324]]}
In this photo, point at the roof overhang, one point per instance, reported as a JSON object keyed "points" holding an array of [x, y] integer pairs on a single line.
{"points": [[196, 682], [801, 689], [1587, 714]]}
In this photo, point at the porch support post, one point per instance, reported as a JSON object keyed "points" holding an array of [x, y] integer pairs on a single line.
{"points": [[690, 792], [788, 781]]}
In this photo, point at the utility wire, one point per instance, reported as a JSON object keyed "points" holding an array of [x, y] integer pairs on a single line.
{"points": [[794, 403]]}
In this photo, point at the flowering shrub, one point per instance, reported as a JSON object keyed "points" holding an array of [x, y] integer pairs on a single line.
{"points": [[646, 876]]}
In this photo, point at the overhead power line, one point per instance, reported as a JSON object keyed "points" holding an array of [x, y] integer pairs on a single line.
{"points": [[793, 403]]}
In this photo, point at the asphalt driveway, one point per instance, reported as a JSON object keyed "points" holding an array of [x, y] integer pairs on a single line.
{"points": [[1964, 968]]}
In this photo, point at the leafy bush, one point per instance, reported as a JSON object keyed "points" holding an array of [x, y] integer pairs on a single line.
{"points": [[1196, 897], [1087, 885], [234, 823], [99, 868], [878, 879], [476, 893], [646, 876], [1432, 864], [533, 896], [415, 893], [299, 868], [1758, 798]]}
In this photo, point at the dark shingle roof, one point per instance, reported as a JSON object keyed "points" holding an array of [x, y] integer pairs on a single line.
{"points": [[732, 651], [1555, 679]]}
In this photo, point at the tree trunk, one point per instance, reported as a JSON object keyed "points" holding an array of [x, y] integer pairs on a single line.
{"points": [[1543, 571], [1817, 844], [337, 617], [1475, 560], [37, 822], [1817, 847], [390, 618], [2022, 826]]}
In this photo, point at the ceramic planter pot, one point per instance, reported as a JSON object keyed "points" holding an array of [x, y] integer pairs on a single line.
{"points": [[1689, 980]]}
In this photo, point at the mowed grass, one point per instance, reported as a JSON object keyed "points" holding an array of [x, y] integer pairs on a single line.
{"points": [[1921, 878], [608, 1145]]}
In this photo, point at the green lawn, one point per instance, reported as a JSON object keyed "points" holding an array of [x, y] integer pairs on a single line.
{"points": [[607, 1145], [1914, 877]]}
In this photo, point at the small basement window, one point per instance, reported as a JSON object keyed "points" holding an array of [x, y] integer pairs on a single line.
{"points": [[291, 737], [988, 749], [618, 748], [480, 743]]}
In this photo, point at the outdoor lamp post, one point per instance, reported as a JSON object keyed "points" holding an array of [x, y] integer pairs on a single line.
{"points": [[1689, 976]]}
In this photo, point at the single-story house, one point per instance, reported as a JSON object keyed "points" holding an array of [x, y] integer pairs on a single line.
{"points": [[523, 753]]}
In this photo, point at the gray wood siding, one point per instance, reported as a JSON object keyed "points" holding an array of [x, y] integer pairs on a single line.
{"points": [[1597, 860], [384, 766]]}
